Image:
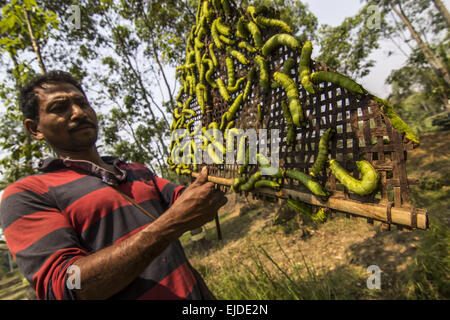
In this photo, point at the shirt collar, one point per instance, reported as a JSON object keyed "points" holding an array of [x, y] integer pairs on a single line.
{"points": [[51, 164]]}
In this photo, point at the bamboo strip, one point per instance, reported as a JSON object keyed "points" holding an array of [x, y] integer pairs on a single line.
{"points": [[399, 215]]}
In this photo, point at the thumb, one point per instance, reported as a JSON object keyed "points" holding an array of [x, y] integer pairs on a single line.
{"points": [[203, 176]]}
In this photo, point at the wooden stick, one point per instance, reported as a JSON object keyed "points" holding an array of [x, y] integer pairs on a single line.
{"points": [[377, 211]]}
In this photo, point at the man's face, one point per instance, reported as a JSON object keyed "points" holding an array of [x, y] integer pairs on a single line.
{"points": [[66, 120]]}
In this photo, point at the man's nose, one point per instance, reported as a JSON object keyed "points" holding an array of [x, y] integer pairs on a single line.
{"points": [[78, 112]]}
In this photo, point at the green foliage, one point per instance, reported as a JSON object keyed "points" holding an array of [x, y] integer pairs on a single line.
{"points": [[19, 152], [429, 273]]}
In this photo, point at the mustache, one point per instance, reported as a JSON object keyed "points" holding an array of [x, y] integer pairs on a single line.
{"points": [[82, 123]]}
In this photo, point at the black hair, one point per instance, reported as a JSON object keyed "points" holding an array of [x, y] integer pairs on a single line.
{"points": [[28, 101]]}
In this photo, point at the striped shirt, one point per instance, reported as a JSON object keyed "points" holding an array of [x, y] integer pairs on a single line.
{"points": [[70, 210]]}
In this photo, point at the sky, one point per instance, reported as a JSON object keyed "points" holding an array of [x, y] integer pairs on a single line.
{"points": [[333, 12]]}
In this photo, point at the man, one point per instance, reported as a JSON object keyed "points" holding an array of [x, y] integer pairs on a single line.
{"points": [[85, 213]]}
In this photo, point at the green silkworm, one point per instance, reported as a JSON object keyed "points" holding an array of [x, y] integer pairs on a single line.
{"points": [[267, 184], [311, 184], [213, 125], [268, 169], [286, 113], [215, 158], [226, 40], [236, 184], [260, 113], [197, 16], [222, 28], [179, 95], [230, 69], [187, 102], [226, 7], [176, 113], [247, 46], [215, 36], [267, 22], [198, 43], [256, 34], [198, 58], [250, 184], [367, 185], [250, 78], [223, 90], [210, 72], [241, 28], [288, 65], [229, 125], [290, 137], [281, 39], [254, 11], [238, 55], [244, 166], [292, 95], [322, 155], [200, 94], [263, 71], [185, 171], [223, 121], [236, 86], [304, 209], [229, 137], [397, 122], [235, 107], [217, 5], [213, 55], [338, 79], [304, 70], [189, 112]]}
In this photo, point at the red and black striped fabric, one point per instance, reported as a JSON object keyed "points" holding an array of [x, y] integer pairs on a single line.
{"points": [[70, 210]]}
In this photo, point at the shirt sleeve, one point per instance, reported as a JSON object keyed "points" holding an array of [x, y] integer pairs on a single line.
{"points": [[40, 238]]}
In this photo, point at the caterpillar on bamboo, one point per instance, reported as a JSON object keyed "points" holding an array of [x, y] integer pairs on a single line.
{"points": [[292, 95], [367, 185], [322, 155], [338, 79], [310, 183], [279, 40]]}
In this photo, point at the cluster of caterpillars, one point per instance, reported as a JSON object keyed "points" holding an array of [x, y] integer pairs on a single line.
{"points": [[224, 36]]}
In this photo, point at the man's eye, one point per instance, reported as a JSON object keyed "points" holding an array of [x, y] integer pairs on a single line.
{"points": [[58, 107]]}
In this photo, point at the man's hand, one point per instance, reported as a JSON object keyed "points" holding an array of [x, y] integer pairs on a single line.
{"points": [[198, 204]]}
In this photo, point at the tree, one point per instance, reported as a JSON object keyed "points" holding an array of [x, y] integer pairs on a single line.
{"points": [[24, 27]]}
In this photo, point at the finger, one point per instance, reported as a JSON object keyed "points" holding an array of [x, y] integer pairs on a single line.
{"points": [[218, 198], [203, 176]]}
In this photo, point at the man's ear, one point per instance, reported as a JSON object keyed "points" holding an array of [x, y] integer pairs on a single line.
{"points": [[32, 127]]}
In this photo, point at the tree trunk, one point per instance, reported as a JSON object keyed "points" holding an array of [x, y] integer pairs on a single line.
{"points": [[441, 7], [34, 43], [433, 60]]}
